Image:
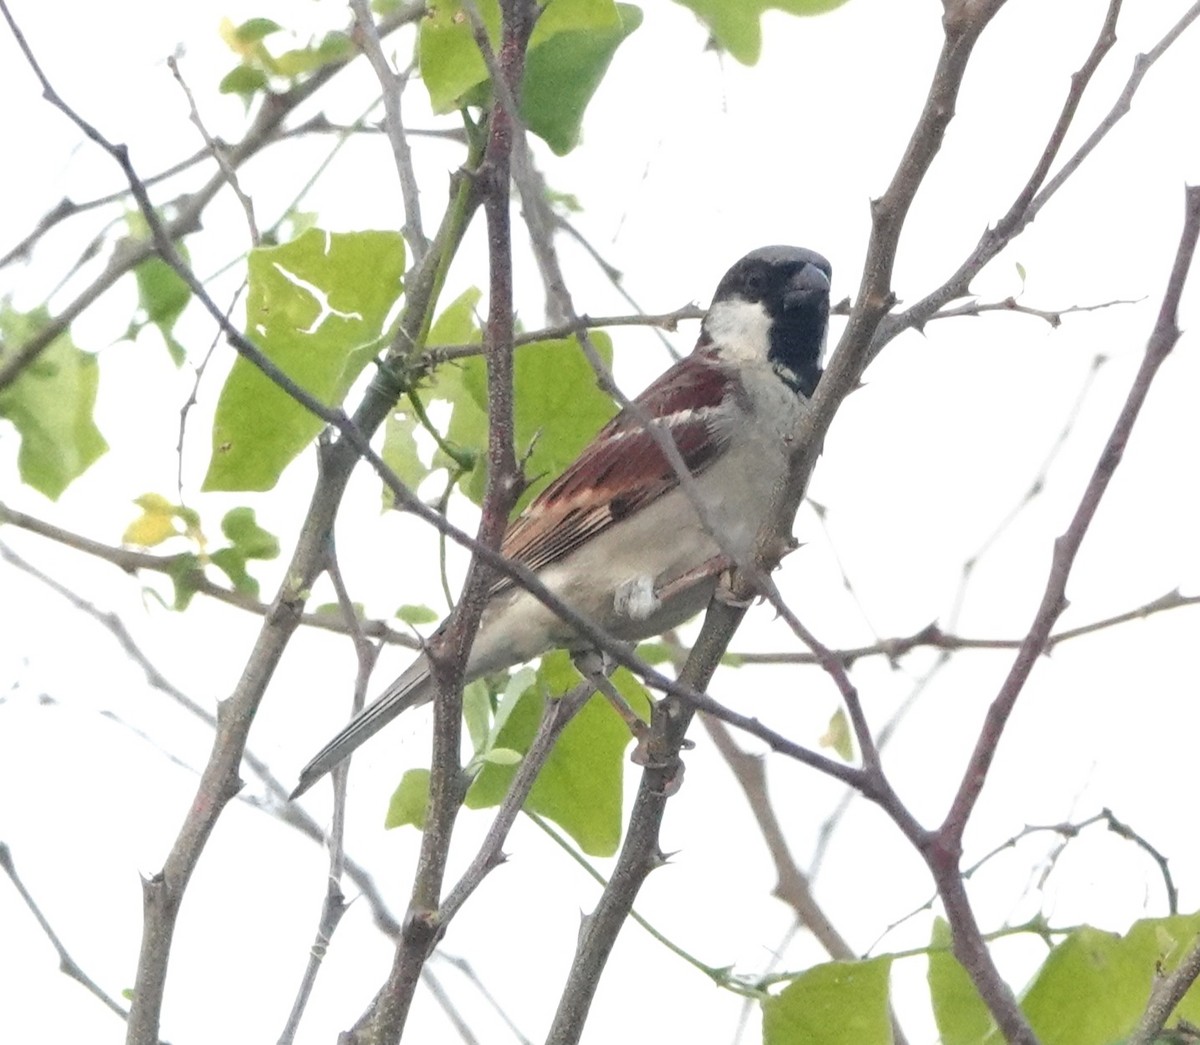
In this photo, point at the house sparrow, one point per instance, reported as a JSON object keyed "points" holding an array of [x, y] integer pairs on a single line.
{"points": [[615, 536]]}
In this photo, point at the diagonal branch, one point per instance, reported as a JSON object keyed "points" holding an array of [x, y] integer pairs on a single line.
{"points": [[944, 848], [1034, 196], [67, 965], [1053, 602], [274, 109]]}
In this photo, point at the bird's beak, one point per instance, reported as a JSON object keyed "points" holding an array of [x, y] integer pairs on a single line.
{"points": [[807, 285]]}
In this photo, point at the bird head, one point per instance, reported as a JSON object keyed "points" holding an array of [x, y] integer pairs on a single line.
{"points": [[773, 307]]}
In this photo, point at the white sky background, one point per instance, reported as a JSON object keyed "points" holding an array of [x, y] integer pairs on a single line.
{"points": [[688, 162]]}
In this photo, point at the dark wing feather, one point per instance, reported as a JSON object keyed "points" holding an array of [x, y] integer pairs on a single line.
{"points": [[623, 469]]}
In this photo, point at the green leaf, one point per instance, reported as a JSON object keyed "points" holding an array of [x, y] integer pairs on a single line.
{"points": [[654, 653], [1091, 990], [837, 736], [1094, 986], [735, 24], [838, 1003], [500, 756], [185, 573], [562, 75], [409, 801], [400, 452], [455, 326], [334, 609], [162, 296], [569, 52], [411, 614], [243, 80], [558, 408], [250, 539], [51, 405], [580, 785], [450, 62], [962, 1018], [254, 29], [334, 47], [477, 713], [316, 307], [232, 563]]}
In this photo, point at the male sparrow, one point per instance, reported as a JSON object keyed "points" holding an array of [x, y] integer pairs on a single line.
{"points": [[615, 536]]}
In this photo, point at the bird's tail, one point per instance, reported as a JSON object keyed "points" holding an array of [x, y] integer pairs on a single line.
{"points": [[408, 691]]}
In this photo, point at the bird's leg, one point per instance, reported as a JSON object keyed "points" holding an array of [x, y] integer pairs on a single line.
{"points": [[713, 567], [595, 666]]}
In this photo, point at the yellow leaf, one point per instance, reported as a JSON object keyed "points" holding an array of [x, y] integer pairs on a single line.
{"points": [[154, 525]]}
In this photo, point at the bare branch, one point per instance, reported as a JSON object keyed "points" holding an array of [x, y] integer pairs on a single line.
{"points": [[392, 85], [333, 906], [557, 713], [1162, 340], [640, 853], [932, 636], [943, 849], [66, 964], [1141, 65], [276, 804], [217, 152], [791, 883], [1034, 195], [437, 354], [1053, 317], [131, 561]]}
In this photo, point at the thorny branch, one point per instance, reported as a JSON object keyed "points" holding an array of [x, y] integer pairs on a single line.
{"points": [[869, 327], [448, 651], [1165, 995]]}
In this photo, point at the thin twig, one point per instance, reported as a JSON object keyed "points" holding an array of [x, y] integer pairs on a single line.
{"points": [[1034, 196], [130, 560], [66, 964], [556, 715], [1066, 547], [192, 396], [218, 153], [276, 802], [437, 354], [333, 905], [792, 886], [932, 636], [273, 111], [1053, 317], [942, 849], [392, 85]]}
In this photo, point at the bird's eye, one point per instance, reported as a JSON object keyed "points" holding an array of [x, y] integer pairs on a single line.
{"points": [[756, 283]]}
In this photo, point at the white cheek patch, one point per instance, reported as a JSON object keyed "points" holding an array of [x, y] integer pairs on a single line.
{"points": [[741, 328], [635, 598]]}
